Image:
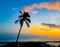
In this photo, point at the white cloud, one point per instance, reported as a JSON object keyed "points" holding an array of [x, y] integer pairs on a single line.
{"points": [[34, 12], [14, 8]]}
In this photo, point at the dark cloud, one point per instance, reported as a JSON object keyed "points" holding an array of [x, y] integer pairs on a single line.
{"points": [[53, 1], [51, 25]]}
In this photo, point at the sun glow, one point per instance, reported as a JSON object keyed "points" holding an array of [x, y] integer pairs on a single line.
{"points": [[52, 32]]}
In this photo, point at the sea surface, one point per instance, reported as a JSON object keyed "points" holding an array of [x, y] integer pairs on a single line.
{"points": [[27, 38]]}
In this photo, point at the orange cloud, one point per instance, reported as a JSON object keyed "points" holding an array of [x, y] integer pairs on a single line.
{"points": [[47, 5], [46, 30], [43, 30]]}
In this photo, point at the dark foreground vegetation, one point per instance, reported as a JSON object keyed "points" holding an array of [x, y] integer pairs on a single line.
{"points": [[27, 44]]}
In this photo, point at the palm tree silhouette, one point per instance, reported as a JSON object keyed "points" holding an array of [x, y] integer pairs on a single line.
{"points": [[24, 17]]}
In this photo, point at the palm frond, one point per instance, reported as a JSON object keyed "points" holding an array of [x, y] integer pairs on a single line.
{"points": [[20, 16], [20, 12], [28, 20], [16, 21], [27, 24], [26, 14], [21, 22]]}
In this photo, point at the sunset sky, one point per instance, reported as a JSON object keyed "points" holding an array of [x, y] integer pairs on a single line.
{"points": [[41, 11]]}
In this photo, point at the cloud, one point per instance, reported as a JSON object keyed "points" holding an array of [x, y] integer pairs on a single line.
{"points": [[51, 25], [47, 5], [52, 1], [14, 8], [45, 29], [34, 12]]}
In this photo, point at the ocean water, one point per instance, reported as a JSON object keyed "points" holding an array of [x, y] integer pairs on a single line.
{"points": [[27, 38], [48, 42]]}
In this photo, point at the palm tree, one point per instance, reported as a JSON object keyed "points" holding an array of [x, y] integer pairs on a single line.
{"points": [[24, 17]]}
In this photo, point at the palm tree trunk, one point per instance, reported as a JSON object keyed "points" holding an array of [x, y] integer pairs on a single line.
{"points": [[18, 34]]}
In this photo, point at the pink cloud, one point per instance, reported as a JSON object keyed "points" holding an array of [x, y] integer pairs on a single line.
{"points": [[47, 5]]}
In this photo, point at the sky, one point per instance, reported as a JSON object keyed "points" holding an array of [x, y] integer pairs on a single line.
{"points": [[41, 11]]}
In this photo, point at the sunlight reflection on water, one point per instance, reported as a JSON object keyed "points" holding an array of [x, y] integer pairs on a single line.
{"points": [[28, 40]]}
